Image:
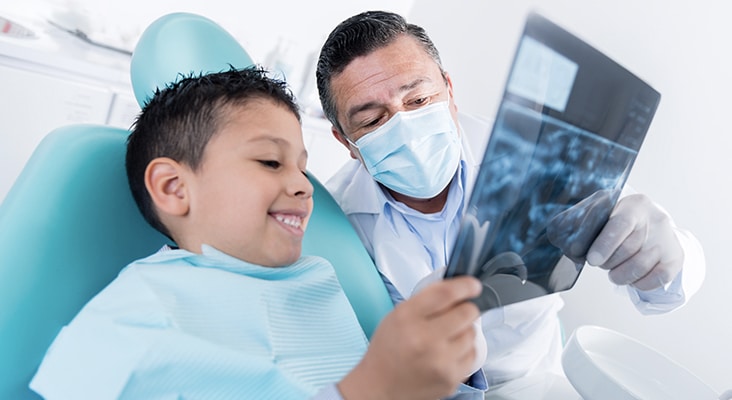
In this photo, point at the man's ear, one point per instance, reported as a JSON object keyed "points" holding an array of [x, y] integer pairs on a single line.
{"points": [[453, 105], [339, 136], [451, 91], [165, 181]]}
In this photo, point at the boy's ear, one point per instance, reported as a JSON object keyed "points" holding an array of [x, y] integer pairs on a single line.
{"points": [[165, 181]]}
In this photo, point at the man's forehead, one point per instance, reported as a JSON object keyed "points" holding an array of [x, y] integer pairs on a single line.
{"points": [[403, 54]]}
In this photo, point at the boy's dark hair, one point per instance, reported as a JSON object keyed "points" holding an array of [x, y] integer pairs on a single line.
{"points": [[358, 36], [180, 120]]}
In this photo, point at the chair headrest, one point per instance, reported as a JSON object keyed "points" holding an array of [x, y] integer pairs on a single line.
{"points": [[179, 44]]}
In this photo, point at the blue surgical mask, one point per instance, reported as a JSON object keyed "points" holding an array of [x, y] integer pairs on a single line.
{"points": [[415, 153]]}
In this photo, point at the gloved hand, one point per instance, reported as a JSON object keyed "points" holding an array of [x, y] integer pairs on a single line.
{"points": [[575, 229], [638, 245], [481, 348]]}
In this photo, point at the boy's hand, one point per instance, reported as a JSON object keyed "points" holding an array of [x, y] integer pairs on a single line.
{"points": [[422, 349], [481, 348]]}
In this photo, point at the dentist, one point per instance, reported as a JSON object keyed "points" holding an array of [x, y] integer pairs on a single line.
{"points": [[391, 104]]}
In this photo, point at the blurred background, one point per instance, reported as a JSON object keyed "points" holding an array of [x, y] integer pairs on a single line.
{"points": [[49, 76]]}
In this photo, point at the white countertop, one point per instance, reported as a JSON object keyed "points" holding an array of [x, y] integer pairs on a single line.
{"points": [[54, 51]]}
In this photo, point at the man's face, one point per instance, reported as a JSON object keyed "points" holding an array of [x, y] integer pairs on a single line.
{"points": [[372, 88], [250, 197]]}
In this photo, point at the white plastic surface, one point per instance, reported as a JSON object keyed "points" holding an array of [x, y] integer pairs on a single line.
{"points": [[603, 364]]}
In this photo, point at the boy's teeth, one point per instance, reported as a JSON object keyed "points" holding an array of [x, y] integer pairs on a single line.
{"points": [[291, 220]]}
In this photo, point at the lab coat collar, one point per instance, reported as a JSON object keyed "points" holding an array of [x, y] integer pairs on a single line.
{"points": [[354, 183]]}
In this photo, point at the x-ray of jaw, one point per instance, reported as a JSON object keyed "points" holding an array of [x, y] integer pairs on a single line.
{"points": [[567, 132]]}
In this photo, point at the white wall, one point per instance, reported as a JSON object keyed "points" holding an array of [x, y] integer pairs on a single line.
{"points": [[284, 36], [683, 50]]}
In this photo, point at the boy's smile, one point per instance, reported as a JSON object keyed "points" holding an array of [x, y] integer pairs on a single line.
{"points": [[292, 222]]}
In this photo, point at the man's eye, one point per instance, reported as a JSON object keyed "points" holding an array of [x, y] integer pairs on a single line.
{"points": [[420, 101], [270, 163], [371, 123]]}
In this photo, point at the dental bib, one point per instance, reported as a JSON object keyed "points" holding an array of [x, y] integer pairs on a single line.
{"points": [[183, 325]]}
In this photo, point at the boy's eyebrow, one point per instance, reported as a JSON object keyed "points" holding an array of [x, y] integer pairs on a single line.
{"points": [[267, 138], [278, 141]]}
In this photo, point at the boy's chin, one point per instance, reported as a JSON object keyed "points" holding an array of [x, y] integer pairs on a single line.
{"points": [[287, 258], [286, 263]]}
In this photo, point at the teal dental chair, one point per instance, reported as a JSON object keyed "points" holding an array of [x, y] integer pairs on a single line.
{"points": [[69, 224]]}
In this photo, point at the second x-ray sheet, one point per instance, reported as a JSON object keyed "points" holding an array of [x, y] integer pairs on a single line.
{"points": [[567, 132]]}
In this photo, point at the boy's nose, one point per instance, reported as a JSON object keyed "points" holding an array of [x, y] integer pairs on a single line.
{"points": [[301, 185]]}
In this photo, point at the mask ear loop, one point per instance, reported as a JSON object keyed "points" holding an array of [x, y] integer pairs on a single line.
{"points": [[358, 151], [351, 142]]}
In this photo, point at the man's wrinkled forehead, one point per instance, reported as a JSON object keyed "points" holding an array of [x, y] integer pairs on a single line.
{"points": [[400, 67]]}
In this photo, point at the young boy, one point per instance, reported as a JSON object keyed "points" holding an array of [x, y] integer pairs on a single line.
{"points": [[217, 163]]}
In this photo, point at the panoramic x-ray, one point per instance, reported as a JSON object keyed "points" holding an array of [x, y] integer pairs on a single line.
{"points": [[568, 130]]}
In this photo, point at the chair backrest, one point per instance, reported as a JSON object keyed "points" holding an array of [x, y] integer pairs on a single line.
{"points": [[69, 224], [179, 44]]}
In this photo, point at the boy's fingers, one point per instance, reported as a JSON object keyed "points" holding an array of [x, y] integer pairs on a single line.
{"points": [[444, 295], [458, 321]]}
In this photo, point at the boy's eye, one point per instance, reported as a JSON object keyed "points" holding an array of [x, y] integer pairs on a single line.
{"points": [[274, 164]]}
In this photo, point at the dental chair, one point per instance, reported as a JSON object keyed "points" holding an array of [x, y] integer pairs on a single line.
{"points": [[69, 224]]}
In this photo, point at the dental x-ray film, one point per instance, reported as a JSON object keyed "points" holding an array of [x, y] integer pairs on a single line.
{"points": [[568, 129]]}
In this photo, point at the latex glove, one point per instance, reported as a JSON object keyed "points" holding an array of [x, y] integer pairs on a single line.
{"points": [[638, 245], [481, 348], [574, 229]]}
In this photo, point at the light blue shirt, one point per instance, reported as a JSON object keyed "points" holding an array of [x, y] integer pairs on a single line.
{"points": [[436, 232]]}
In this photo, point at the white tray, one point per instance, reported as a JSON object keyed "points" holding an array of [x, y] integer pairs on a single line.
{"points": [[602, 364]]}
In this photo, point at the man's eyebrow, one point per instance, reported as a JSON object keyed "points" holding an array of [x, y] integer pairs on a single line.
{"points": [[372, 104], [360, 108]]}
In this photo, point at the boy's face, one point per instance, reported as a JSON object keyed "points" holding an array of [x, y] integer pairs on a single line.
{"points": [[250, 197]]}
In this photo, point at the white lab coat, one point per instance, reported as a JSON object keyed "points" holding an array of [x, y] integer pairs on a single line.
{"points": [[522, 337]]}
